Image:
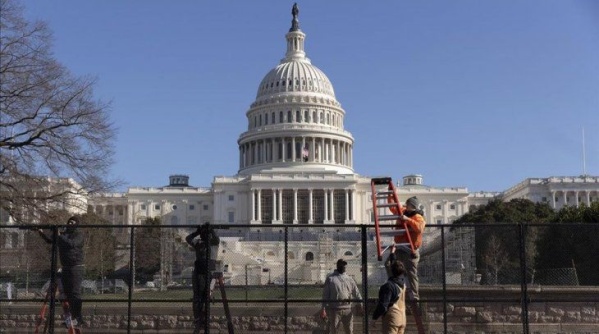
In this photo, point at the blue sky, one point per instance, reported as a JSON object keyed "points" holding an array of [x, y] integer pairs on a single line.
{"points": [[477, 94]]}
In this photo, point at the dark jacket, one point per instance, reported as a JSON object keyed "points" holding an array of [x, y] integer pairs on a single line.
{"points": [[206, 251], [389, 293], [70, 247]]}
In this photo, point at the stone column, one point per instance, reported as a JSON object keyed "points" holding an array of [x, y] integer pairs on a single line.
{"points": [[310, 204], [553, 204], [353, 205], [326, 205], [295, 205], [564, 195], [347, 218], [313, 150], [274, 205], [253, 203], [576, 198], [283, 149], [332, 211], [293, 152], [588, 198], [272, 157], [280, 205], [259, 205]]}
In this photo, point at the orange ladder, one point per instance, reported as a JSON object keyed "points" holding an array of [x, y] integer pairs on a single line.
{"points": [[386, 207], [68, 321]]}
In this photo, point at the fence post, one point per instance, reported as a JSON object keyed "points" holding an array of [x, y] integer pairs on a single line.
{"points": [[131, 276], [364, 276], [53, 283], [286, 312], [523, 285], [444, 279]]}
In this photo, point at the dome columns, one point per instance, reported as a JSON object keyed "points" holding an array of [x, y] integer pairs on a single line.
{"points": [[294, 150]]}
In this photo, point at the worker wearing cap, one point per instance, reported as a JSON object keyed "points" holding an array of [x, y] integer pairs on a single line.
{"points": [[339, 289], [70, 251], [414, 219]]}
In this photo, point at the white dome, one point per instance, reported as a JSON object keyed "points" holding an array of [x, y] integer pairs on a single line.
{"points": [[295, 76]]}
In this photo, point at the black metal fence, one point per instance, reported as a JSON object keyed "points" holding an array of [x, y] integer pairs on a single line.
{"points": [[282, 267]]}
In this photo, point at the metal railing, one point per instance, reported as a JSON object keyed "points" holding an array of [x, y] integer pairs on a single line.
{"points": [[471, 264]]}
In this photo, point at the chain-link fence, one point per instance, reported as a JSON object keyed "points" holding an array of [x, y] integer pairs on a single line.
{"points": [[141, 277]]}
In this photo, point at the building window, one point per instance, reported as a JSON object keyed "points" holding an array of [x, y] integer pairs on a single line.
{"points": [[438, 206], [231, 218], [192, 207], [309, 256], [289, 116], [174, 207], [231, 198], [142, 207], [452, 207], [205, 207], [280, 117], [544, 199], [272, 118], [348, 253], [266, 119], [156, 206], [439, 221]]}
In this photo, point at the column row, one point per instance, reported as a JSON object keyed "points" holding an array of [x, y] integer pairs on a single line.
{"points": [[295, 149], [303, 206]]}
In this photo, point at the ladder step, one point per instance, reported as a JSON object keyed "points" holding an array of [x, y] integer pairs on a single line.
{"points": [[384, 192], [392, 232], [387, 205], [403, 244], [381, 180], [389, 217]]}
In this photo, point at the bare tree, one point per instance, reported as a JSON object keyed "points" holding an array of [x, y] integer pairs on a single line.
{"points": [[51, 126], [495, 257]]}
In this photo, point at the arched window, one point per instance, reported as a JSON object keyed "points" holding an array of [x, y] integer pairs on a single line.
{"points": [[309, 256], [270, 254], [266, 119], [348, 253], [289, 116], [280, 117], [272, 118]]}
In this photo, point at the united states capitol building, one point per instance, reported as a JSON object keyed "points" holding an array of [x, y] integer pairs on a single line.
{"points": [[296, 168]]}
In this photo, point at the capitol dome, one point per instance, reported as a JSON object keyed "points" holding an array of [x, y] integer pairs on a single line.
{"points": [[295, 75], [296, 122]]}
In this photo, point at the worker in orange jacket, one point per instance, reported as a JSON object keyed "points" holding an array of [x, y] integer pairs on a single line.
{"points": [[413, 217]]}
